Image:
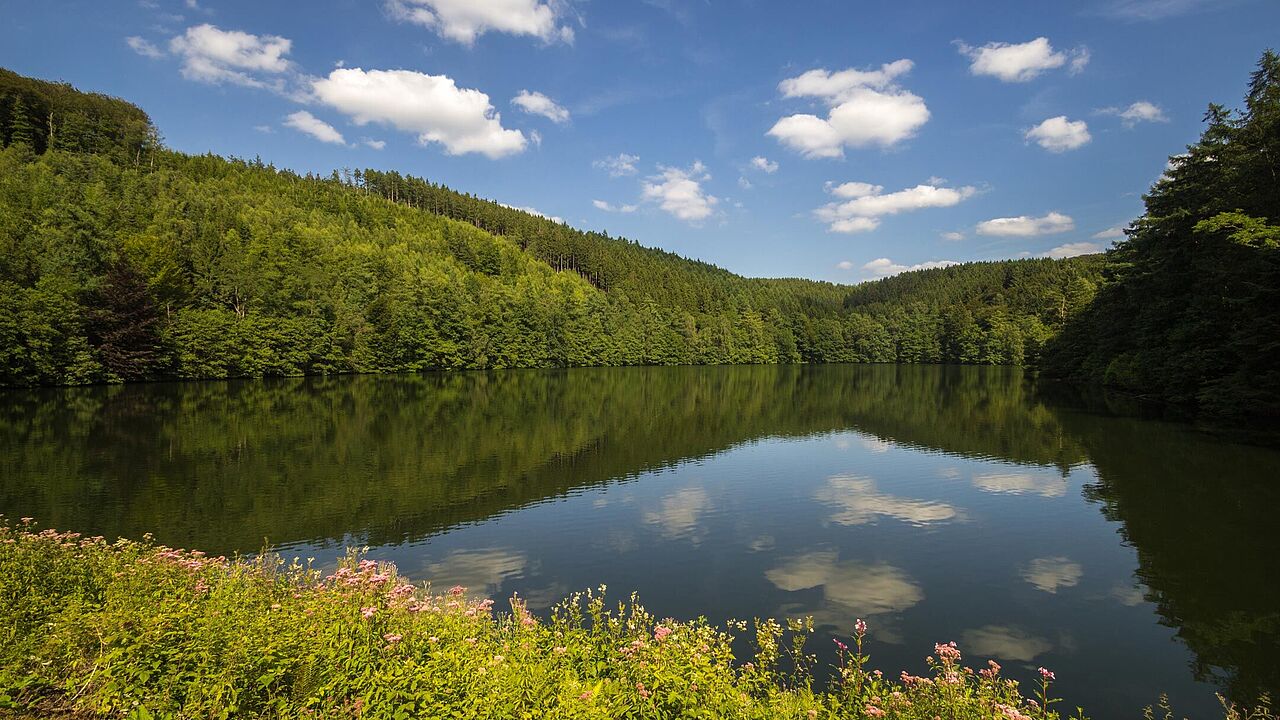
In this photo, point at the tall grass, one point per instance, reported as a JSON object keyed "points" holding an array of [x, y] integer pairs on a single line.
{"points": [[137, 630]]}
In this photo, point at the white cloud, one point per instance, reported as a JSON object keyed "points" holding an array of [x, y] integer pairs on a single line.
{"points": [[1058, 134], [678, 515], [1004, 643], [607, 207], [143, 47], [1021, 484], [867, 108], [1140, 111], [744, 183], [1021, 62], [680, 192], [618, 165], [1052, 573], [861, 589], [865, 203], [764, 164], [953, 236], [884, 267], [1074, 249], [210, 54], [534, 211], [844, 265], [308, 124], [466, 20], [1111, 233], [265, 129], [857, 502], [1026, 226], [431, 106], [535, 103], [375, 144]]}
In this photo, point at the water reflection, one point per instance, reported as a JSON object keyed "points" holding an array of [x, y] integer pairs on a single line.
{"points": [[940, 502]]}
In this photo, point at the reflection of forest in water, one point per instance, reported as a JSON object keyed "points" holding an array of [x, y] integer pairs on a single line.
{"points": [[225, 466]]}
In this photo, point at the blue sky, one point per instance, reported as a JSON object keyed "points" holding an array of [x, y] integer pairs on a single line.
{"points": [[832, 140]]}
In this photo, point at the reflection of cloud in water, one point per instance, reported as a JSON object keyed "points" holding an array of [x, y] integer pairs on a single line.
{"points": [[1128, 595], [876, 445], [480, 571], [1003, 642], [863, 589], [1021, 483], [544, 597], [762, 543], [680, 512], [859, 502], [1050, 573]]}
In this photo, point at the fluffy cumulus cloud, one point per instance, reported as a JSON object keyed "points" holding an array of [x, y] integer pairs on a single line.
{"points": [[1058, 134], [609, 207], [1027, 226], [1021, 62], [466, 20], [867, 107], [432, 107], [884, 267], [679, 192], [535, 103], [953, 236], [844, 265], [863, 204], [618, 165], [1140, 111], [535, 211], [143, 47], [308, 124], [374, 144], [1074, 249], [210, 54], [764, 165]]}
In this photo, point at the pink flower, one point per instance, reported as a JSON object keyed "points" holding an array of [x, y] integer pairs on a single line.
{"points": [[368, 612], [948, 653], [839, 644], [1047, 674], [586, 695], [660, 633], [391, 638], [860, 627], [875, 712], [457, 590]]}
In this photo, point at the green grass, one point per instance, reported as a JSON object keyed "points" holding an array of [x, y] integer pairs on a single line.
{"points": [[136, 630]]}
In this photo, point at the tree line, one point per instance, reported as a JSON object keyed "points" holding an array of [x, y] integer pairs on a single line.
{"points": [[121, 260], [1189, 312]]}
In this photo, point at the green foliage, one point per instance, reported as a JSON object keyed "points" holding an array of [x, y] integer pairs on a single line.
{"points": [[1190, 312], [120, 260], [135, 630]]}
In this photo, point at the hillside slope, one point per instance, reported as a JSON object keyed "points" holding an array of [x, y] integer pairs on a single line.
{"points": [[121, 260]]}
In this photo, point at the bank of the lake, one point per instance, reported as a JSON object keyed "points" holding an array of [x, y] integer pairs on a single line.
{"points": [[136, 630]]}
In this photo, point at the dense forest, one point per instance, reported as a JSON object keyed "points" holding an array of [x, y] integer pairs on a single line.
{"points": [[121, 260], [1190, 309]]}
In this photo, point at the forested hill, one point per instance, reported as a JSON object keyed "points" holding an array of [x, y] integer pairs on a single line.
{"points": [[1191, 310], [121, 260]]}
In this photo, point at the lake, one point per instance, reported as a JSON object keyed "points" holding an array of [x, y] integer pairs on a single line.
{"points": [[1131, 556]]}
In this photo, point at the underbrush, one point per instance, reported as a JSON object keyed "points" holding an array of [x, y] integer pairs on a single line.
{"points": [[90, 628]]}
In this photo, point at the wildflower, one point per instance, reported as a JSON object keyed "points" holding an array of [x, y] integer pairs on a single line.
{"points": [[457, 590], [560, 650], [875, 712], [368, 612], [275, 606], [947, 653], [660, 633], [433, 638], [586, 695], [813, 714], [842, 646], [391, 638], [860, 627], [1047, 674]]}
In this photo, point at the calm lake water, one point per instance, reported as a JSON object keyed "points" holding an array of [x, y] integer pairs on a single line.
{"points": [[1132, 557]]}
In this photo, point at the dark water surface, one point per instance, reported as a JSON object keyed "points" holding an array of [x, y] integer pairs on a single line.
{"points": [[1130, 556]]}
